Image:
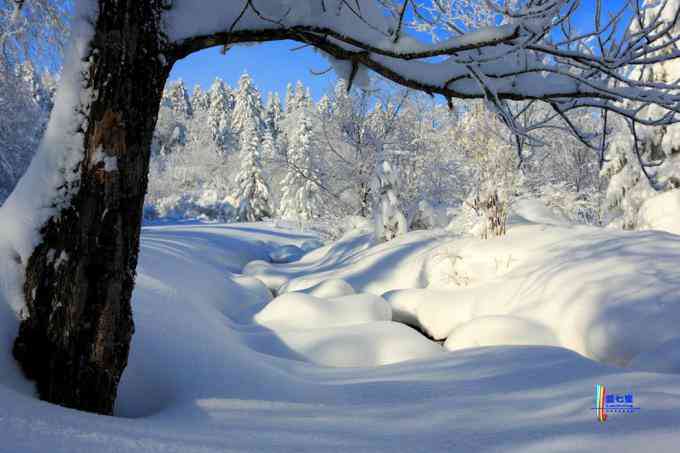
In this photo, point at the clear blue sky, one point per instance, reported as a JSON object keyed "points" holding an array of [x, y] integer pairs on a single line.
{"points": [[273, 65]]}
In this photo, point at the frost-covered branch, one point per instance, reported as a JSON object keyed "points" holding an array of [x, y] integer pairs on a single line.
{"points": [[498, 51]]}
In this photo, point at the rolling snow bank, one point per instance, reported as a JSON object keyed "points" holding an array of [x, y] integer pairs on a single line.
{"points": [[661, 212], [607, 295], [203, 376], [347, 331]]}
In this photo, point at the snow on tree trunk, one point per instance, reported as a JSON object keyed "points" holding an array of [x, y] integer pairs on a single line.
{"points": [[75, 337]]}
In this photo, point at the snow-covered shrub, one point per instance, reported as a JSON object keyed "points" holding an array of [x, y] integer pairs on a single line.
{"points": [[424, 218], [586, 207], [204, 206], [493, 212], [389, 220]]}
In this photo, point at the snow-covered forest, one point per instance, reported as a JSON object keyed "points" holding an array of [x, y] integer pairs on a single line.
{"points": [[320, 162], [232, 154], [468, 241]]}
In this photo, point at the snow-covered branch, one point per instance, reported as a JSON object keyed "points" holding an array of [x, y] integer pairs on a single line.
{"points": [[503, 51]]}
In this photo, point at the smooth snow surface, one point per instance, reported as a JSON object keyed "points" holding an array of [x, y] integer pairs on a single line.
{"points": [[499, 330], [203, 376], [334, 287]]}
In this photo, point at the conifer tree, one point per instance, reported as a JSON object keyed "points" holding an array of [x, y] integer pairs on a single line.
{"points": [[254, 199], [300, 198], [219, 118], [273, 115], [248, 106], [200, 101], [177, 99]]}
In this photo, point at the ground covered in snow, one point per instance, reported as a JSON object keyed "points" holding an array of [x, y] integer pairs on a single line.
{"points": [[335, 351]]}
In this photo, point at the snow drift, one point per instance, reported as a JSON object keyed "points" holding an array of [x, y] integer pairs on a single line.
{"points": [[203, 376], [605, 294]]}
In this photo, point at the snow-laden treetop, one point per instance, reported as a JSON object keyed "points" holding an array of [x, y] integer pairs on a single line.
{"points": [[492, 49]]}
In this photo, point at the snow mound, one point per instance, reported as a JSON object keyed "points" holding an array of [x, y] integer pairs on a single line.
{"points": [[302, 311], [405, 303], [352, 330], [608, 295], [361, 345], [499, 330], [242, 309], [334, 287], [286, 254], [661, 212]]}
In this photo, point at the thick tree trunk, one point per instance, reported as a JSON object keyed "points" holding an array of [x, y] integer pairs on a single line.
{"points": [[79, 280]]}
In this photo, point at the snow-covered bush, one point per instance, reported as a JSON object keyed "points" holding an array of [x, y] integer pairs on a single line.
{"points": [[204, 206], [493, 213], [389, 220]]}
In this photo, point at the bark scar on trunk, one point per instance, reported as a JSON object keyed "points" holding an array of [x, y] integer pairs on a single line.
{"points": [[108, 145]]}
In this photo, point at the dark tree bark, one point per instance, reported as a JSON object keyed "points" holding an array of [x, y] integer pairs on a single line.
{"points": [[75, 340]]}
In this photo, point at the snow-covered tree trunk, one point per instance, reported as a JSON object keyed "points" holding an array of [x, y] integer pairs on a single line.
{"points": [[75, 339]]}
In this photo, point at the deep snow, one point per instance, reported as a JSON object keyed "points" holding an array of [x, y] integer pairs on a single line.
{"points": [[204, 376]]}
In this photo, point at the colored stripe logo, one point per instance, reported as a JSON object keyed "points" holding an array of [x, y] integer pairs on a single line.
{"points": [[600, 398]]}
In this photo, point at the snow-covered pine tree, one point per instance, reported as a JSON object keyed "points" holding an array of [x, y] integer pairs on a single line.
{"points": [[269, 147], [630, 180], [171, 133], [389, 220], [254, 199], [273, 115], [247, 107], [290, 94], [298, 98], [177, 99], [200, 100], [301, 198], [219, 117], [324, 108]]}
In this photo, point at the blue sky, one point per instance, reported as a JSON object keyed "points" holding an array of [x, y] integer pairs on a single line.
{"points": [[273, 65]]}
